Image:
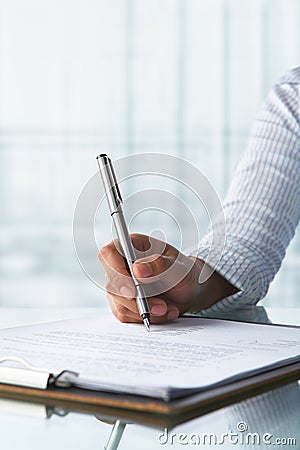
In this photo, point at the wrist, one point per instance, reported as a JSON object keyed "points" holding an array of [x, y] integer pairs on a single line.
{"points": [[212, 287]]}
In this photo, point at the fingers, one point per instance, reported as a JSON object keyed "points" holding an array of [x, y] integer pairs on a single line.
{"points": [[157, 305], [113, 262], [126, 310], [120, 287], [111, 258], [118, 278], [143, 246], [147, 245]]}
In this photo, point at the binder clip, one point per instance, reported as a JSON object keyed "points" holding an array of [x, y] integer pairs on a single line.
{"points": [[32, 376]]}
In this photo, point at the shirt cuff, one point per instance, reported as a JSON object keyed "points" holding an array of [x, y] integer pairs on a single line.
{"points": [[240, 266]]}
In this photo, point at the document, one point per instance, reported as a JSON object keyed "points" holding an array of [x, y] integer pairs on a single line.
{"points": [[173, 360]]}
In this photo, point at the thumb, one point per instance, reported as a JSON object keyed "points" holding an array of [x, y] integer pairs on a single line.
{"points": [[170, 270]]}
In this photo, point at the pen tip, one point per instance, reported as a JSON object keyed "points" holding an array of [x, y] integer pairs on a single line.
{"points": [[147, 324]]}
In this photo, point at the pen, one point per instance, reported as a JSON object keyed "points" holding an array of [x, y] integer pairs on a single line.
{"points": [[115, 201]]}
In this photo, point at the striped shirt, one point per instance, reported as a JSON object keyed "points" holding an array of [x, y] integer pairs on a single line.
{"points": [[262, 207]]}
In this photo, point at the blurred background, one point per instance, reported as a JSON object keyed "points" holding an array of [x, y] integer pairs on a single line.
{"points": [[77, 78]]}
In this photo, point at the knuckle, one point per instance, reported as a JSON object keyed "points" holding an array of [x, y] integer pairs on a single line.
{"points": [[118, 310], [121, 309], [112, 302], [140, 242], [158, 264], [114, 282], [158, 260], [105, 252], [163, 263], [111, 289], [136, 235], [121, 312], [122, 318]]}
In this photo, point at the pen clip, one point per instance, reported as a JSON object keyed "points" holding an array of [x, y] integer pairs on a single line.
{"points": [[110, 183], [115, 183]]}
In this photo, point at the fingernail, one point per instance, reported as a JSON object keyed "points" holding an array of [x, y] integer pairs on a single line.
{"points": [[172, 315], [158, 310], [144, 269], [126, 292]]}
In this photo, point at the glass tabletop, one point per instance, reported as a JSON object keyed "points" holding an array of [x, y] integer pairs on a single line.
{"points": [[265, 421]]}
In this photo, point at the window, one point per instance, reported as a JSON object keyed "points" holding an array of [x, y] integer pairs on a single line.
{"points": [[183, 77]]}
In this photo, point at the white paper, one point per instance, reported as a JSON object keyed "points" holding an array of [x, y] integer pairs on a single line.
{"points": [[191, 353]]}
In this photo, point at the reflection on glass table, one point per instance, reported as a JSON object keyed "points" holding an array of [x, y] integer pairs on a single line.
{"points": [[269, 419]]}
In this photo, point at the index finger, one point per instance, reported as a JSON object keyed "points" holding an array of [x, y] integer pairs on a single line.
{"points": [[112, 259], [145, 245], [117, 274]]}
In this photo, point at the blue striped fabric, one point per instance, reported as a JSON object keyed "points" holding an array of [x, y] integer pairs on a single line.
{"points": [[262, 207]]}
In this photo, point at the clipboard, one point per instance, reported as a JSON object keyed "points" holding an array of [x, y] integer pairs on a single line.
{"points": [[25, 382], [144, 410]]}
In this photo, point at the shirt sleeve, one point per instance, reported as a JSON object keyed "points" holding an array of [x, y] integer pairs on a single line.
{"points": [[262, 207]]}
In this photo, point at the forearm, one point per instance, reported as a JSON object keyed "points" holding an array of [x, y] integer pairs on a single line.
{"points": [[262, 205]]}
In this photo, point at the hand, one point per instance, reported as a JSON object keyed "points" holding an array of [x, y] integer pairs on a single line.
{"points": [[170, 278]]}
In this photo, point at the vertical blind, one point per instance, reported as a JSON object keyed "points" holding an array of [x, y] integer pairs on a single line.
{"points": [[183, 77]]}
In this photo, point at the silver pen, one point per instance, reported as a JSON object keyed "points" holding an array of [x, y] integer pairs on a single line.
{"points": [[115, 201]]}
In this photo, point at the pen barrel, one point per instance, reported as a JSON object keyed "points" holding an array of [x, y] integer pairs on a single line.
{"points": [[114, 199], [124, 238], [129, 254], [141, 301]]}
